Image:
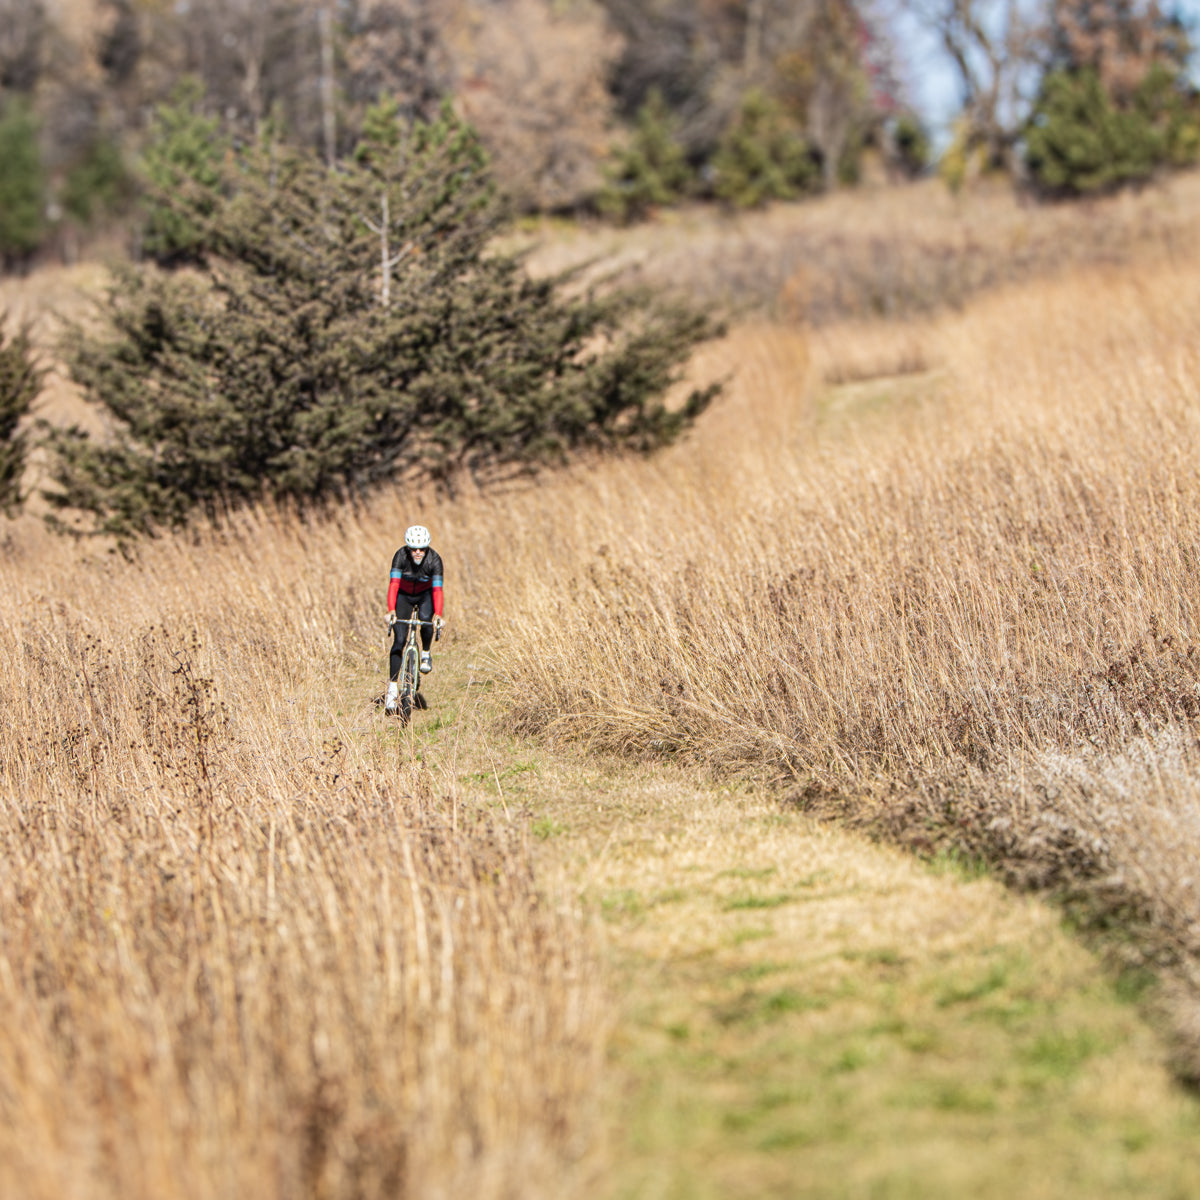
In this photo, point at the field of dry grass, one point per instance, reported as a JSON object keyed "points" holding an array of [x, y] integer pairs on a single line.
{"points": [[933, 576], [951, 603], [256, 940], [871, 253], [963, 576], [248, 947]]}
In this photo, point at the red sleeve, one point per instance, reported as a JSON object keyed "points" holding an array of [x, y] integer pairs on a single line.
{"points": [[393, 592], [437, 602]]}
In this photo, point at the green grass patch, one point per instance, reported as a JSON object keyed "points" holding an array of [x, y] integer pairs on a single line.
{"points": [[994, 980], [755, 933], [738, 903], [1132, 984], [1136, 1137], [757, 1007], [623, 903], [885, 956], [494, 779], [954, 862], [965, 1098], [761, 970], [787, 1139], [1059, 1054], [920, 1040], [747, 873], [851, 1058]]}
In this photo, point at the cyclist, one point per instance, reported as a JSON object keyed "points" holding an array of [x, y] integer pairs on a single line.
{"points": [[416, 583]]}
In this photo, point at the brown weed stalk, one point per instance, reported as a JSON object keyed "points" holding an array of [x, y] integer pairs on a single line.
{"points": [[249, 943]]}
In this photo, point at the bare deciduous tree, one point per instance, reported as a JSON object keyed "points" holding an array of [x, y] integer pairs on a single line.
{"points": [[23, 28], [230, 45], [120, 44], [1119, 39], [533, 84], [399, 49], [823, 80], [815, 56], [692, 54], [997, 48]]}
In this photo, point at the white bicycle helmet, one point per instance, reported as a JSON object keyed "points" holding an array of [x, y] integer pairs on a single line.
{"points": [[416, 537]]}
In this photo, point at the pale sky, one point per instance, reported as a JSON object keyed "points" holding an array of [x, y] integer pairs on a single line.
{"points": [[933, 81]]}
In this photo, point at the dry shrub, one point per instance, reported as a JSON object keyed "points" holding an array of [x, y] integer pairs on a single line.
{"points": [[534, 84], [918, 619], [900, 252], [857, 352], [249, 945]]}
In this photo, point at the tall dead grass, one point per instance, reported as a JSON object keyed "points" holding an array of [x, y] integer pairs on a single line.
{"points": [[918, 616], [889, 252], [1003, 563], [250, 944]]}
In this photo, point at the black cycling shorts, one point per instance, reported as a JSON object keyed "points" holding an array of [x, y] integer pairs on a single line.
{"points": [[404, 607]]}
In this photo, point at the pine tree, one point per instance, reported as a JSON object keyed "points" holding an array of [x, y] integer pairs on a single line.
{"points": [[1080, 142], [760, 158], [1115, 105], [182, 169], [355, 327], [98, 185], [22, 186], [651, 170], [20, 383], [1171, 108], [910, 146]]}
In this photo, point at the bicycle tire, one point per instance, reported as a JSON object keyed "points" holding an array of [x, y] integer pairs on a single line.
{"points": [[409, 682]]}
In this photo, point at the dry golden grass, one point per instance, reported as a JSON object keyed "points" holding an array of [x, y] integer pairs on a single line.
{"points": [[253, 941], [869, 253], [961, 577], [250, 944], [993, 565]]}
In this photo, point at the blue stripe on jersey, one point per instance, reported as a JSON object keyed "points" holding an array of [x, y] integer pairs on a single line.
{"points": [[397, 575], [436, 581]]}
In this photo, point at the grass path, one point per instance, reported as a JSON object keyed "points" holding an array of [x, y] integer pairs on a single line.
{"points": [[807, 1015], [799, 1013]]}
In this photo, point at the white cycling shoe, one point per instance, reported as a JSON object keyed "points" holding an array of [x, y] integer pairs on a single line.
{"points": [[390, 703], [426, 662]]}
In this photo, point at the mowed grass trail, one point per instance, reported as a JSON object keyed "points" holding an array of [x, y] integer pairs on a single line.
{"points": [[798, 1012]]}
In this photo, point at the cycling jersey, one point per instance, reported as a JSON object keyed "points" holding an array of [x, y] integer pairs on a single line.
{"points": [[416, 581]]}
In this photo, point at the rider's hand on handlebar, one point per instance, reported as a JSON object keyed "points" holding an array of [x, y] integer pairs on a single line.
{"points": [[438, 622]]}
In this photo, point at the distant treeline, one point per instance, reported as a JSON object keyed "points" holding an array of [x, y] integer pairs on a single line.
{"points": [[611, 106], [614, 107]]}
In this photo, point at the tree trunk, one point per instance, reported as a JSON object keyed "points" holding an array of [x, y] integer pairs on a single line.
{"points": [[328, 116], [385, 287], [752, 53]]}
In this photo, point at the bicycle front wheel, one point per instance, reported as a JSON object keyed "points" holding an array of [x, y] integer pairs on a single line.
{"points": [[410, 668]]}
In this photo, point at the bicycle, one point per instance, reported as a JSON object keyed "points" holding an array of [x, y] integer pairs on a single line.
{"points": [[409, 680]]}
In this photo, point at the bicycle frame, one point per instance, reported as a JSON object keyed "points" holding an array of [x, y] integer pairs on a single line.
{"points": [[409, 679]]}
